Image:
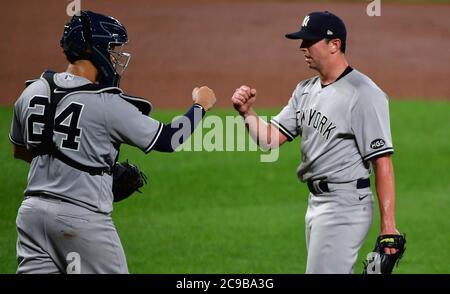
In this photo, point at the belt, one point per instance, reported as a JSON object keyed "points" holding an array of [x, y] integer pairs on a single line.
{"points": [[318, 187]]}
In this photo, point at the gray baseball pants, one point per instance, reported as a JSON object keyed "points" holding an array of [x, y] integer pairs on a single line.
{"points": [[59, 237], [337, 223]]}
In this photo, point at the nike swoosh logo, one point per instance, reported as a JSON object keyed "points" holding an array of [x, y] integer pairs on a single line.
{"points": [[59, 92], [362, 197]]}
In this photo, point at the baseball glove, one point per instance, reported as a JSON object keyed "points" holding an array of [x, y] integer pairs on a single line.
{"points": [[379, 262], [127, 178]]}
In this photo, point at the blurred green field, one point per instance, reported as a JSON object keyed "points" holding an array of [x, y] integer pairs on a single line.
{"points": [[226, 212]]}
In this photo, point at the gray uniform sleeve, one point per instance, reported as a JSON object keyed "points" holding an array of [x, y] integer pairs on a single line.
{"points": [[286, 120], [370, 124], [16, 132], [128, 125]]}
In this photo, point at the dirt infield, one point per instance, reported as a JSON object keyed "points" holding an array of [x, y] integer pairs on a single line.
{"points": [[176, 45]]}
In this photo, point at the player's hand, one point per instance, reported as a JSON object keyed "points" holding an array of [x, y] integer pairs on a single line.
{"points": [[204, 96], [243, 99], [392, 231]]}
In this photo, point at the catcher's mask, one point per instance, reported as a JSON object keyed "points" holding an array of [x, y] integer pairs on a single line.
{"points": [[100, 39]]}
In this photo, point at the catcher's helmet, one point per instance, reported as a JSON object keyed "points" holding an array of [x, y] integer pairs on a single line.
{"points": [[100, 39]]}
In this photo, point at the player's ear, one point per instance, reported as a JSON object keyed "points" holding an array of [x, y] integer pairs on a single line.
{"points": [[334, 45]]}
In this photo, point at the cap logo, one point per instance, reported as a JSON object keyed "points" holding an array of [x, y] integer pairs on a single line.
{"points": [[305, 21], [329, 32]]}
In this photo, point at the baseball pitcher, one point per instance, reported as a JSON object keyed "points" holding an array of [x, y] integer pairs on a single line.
{"points": [[343, 119]]}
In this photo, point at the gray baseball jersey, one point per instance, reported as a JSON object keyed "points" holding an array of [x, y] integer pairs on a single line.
{"points": [[342, 126], [89, 128]]}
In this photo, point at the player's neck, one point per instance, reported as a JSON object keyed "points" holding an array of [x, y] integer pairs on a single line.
{"points": [[83, 68], [333, 70]]}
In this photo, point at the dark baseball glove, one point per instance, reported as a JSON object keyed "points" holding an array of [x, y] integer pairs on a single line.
{"points": [[127, 178], [381, 263]]}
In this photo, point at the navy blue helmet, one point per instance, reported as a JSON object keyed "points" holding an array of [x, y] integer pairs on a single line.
{"points": [[100, 39]]}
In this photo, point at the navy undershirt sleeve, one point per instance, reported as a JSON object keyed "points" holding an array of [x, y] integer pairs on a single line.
{"points": [[174, 134]]}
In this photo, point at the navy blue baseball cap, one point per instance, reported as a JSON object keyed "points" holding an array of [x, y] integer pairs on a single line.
{"points": [[320, 25]]}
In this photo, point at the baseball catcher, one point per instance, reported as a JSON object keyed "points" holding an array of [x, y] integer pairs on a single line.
{"points": [[70, 126], [127, 179], [380, 262]]}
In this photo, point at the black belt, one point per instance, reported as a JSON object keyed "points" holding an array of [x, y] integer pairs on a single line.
{"points": [[323, 186]]}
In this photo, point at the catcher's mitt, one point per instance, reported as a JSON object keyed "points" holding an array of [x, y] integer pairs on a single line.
{"points": [[379, 262], [127, 178]]}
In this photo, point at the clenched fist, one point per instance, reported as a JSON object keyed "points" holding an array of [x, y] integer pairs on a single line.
{"points": [[204, 96], [243, 99]]}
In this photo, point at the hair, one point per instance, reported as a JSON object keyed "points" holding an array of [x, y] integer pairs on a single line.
{"points": [[71, 58], [343, 44]]}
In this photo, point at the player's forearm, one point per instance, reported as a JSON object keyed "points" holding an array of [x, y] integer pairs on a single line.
{"points": [[176, 133], [385, 186], [260, 131]]}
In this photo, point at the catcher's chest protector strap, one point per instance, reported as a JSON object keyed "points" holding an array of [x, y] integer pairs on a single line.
{"points": [[47, 146], [143, 105]]}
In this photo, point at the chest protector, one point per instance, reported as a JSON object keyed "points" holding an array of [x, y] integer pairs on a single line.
{"points": [[48, 147]]}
